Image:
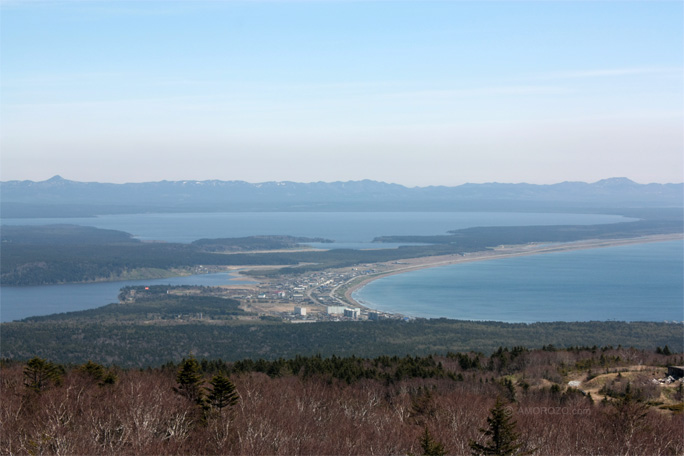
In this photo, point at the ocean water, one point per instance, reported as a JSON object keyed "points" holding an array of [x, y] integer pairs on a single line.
{"points": [[347, 229], [642, 282], [22, 302]]}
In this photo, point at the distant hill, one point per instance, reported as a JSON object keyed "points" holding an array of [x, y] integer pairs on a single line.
{"points": [[62, 197]]}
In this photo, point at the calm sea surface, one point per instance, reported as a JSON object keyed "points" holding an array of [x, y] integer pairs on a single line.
{"points": [[640, 282]]}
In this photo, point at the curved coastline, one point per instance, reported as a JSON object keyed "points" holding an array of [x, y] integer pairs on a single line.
{"points": [[500, 252]]}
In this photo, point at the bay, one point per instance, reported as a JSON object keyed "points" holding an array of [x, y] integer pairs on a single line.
{"points": [[22, 302], [642, 282], [347, 229]]}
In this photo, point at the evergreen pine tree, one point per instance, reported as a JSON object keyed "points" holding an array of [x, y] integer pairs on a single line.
{"points": [[509, 389], [430, 446], [39, 373], [189, 381], [93, 370], [223, 393], [423, 406], [503, 438], [98, 373]]}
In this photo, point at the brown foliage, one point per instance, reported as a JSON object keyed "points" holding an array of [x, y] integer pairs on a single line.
{"points": [[140, 414]]}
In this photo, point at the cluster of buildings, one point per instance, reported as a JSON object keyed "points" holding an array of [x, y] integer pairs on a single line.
{"points": [[316, 296], [313, 288], [339, 313], [350, 312]]}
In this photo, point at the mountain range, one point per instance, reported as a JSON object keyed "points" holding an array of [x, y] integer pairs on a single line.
{"points": [[61, 197]]}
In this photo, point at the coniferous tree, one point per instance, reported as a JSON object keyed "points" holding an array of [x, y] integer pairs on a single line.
{"points": [[98, 373], [39, 374], [430, 446], [503, 437], [423, 406], [93, 370], [223, 393], [509, 389], [189, 381]]}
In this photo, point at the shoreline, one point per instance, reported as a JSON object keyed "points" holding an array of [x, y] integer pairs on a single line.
{"points": [[496, 253]]}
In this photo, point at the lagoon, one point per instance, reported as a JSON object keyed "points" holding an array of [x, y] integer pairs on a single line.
{"points": [[23, 302]]}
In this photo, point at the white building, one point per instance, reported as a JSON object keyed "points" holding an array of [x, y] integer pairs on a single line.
{"points": [[354, 313], [301, 311], [335, 310]]}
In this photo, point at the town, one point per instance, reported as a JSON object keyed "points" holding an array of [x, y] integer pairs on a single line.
{"points": [[303, 298], [313, 296]]}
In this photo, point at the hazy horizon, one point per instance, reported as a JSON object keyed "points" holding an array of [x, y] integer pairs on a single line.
{"points": [[57, 176], [417, 93]]}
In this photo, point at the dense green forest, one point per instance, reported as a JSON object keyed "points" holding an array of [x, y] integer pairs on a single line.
{"points": [[581, 400], [107, 335], [223, 245], [40, 255], [62, 234]]}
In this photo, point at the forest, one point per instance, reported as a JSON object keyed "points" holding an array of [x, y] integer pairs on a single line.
{"points": [[580, 400], [251, 243], [147, 337]]}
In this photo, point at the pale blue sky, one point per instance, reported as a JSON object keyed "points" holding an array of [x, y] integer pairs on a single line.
{"points": [[412, 92]]}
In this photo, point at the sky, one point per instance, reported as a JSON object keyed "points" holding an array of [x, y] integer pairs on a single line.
{"points": [[413, 92]]}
